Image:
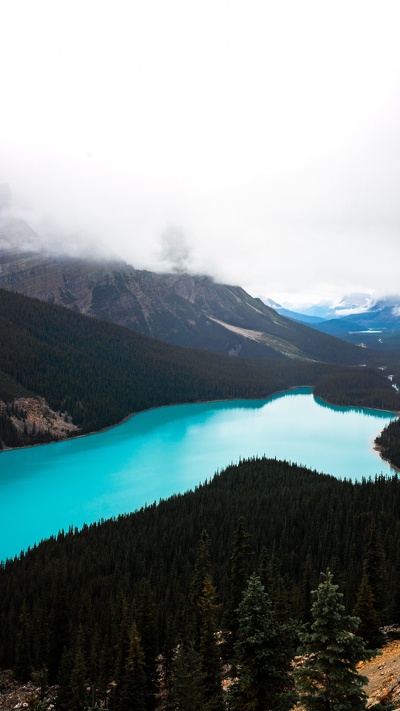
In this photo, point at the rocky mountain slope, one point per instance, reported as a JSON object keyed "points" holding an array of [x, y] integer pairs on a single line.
{"points": [[181, 309]]}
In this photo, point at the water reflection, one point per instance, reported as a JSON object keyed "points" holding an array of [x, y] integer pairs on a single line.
{"points": [[365, 411]]}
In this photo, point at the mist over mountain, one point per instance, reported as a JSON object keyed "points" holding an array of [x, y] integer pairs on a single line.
{"points": [[296, 316], [177, 306], [357, 318], [180, 308], [347, 305]]}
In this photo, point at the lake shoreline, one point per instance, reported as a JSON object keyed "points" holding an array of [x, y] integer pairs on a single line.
{"points": [[197, 402], [161, 453], [150, 409]]}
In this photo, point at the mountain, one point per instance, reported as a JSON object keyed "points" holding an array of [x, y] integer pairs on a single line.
{"points": [[347, 305], [179, 308], [294, 315], [377, 326]]}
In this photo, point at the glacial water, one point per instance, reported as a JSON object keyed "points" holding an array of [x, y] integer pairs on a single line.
{"points": [[168, 450]]}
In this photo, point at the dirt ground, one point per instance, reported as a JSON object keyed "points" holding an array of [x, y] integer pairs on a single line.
{"points": [[383, 673]]}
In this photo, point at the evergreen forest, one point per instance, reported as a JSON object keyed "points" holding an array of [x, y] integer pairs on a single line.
{"points": [[119, 610]]}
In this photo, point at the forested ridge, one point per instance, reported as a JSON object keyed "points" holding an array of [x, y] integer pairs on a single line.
{"points": [[100, 372], [71, 601]]}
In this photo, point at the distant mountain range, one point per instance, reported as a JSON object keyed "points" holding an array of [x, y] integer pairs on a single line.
{"points": [[294, 315], [377, 327], [179, 308], [366, 322], [348, 305]]}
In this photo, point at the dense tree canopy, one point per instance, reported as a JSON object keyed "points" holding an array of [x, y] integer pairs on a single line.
{"points": [[88, 589]]}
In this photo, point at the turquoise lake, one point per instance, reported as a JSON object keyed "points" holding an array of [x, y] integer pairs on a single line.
{"points": [[172, 449]]}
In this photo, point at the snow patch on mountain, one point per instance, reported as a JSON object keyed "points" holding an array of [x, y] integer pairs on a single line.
{"points": [[271, 303], [351, 304]]}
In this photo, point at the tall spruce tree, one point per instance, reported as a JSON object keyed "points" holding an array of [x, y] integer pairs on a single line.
{"points": [[59, 632], [328, 679], [209, 647], [132, 692], [187, 691], [364, 608], [201, 625], [264, 652], [147, 628], [23, 657], [202, 569], [376, 571], [78, 685], [239, 573]]}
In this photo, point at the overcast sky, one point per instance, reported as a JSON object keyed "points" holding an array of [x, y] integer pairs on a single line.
{"points": [[257, 141]]}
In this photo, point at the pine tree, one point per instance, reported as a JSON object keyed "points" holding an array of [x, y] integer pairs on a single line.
{"points": [[147, 627], [58, 629], [328, 679], [132, 692], [239, 573], [202, 627], [73, 684], [121, 651], [78, 682], [23, 657], [209, 648], [168, 650], [364, 608], [306, 588], [376, 571], [202, 569], [63, 700], [187, 684], [264, 653]]}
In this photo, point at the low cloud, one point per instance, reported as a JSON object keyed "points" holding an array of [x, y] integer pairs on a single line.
{"points": [[175, 250]]}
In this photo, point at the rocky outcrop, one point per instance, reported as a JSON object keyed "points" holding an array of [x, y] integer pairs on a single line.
{"points": [[15, 695], [29, 420]]}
